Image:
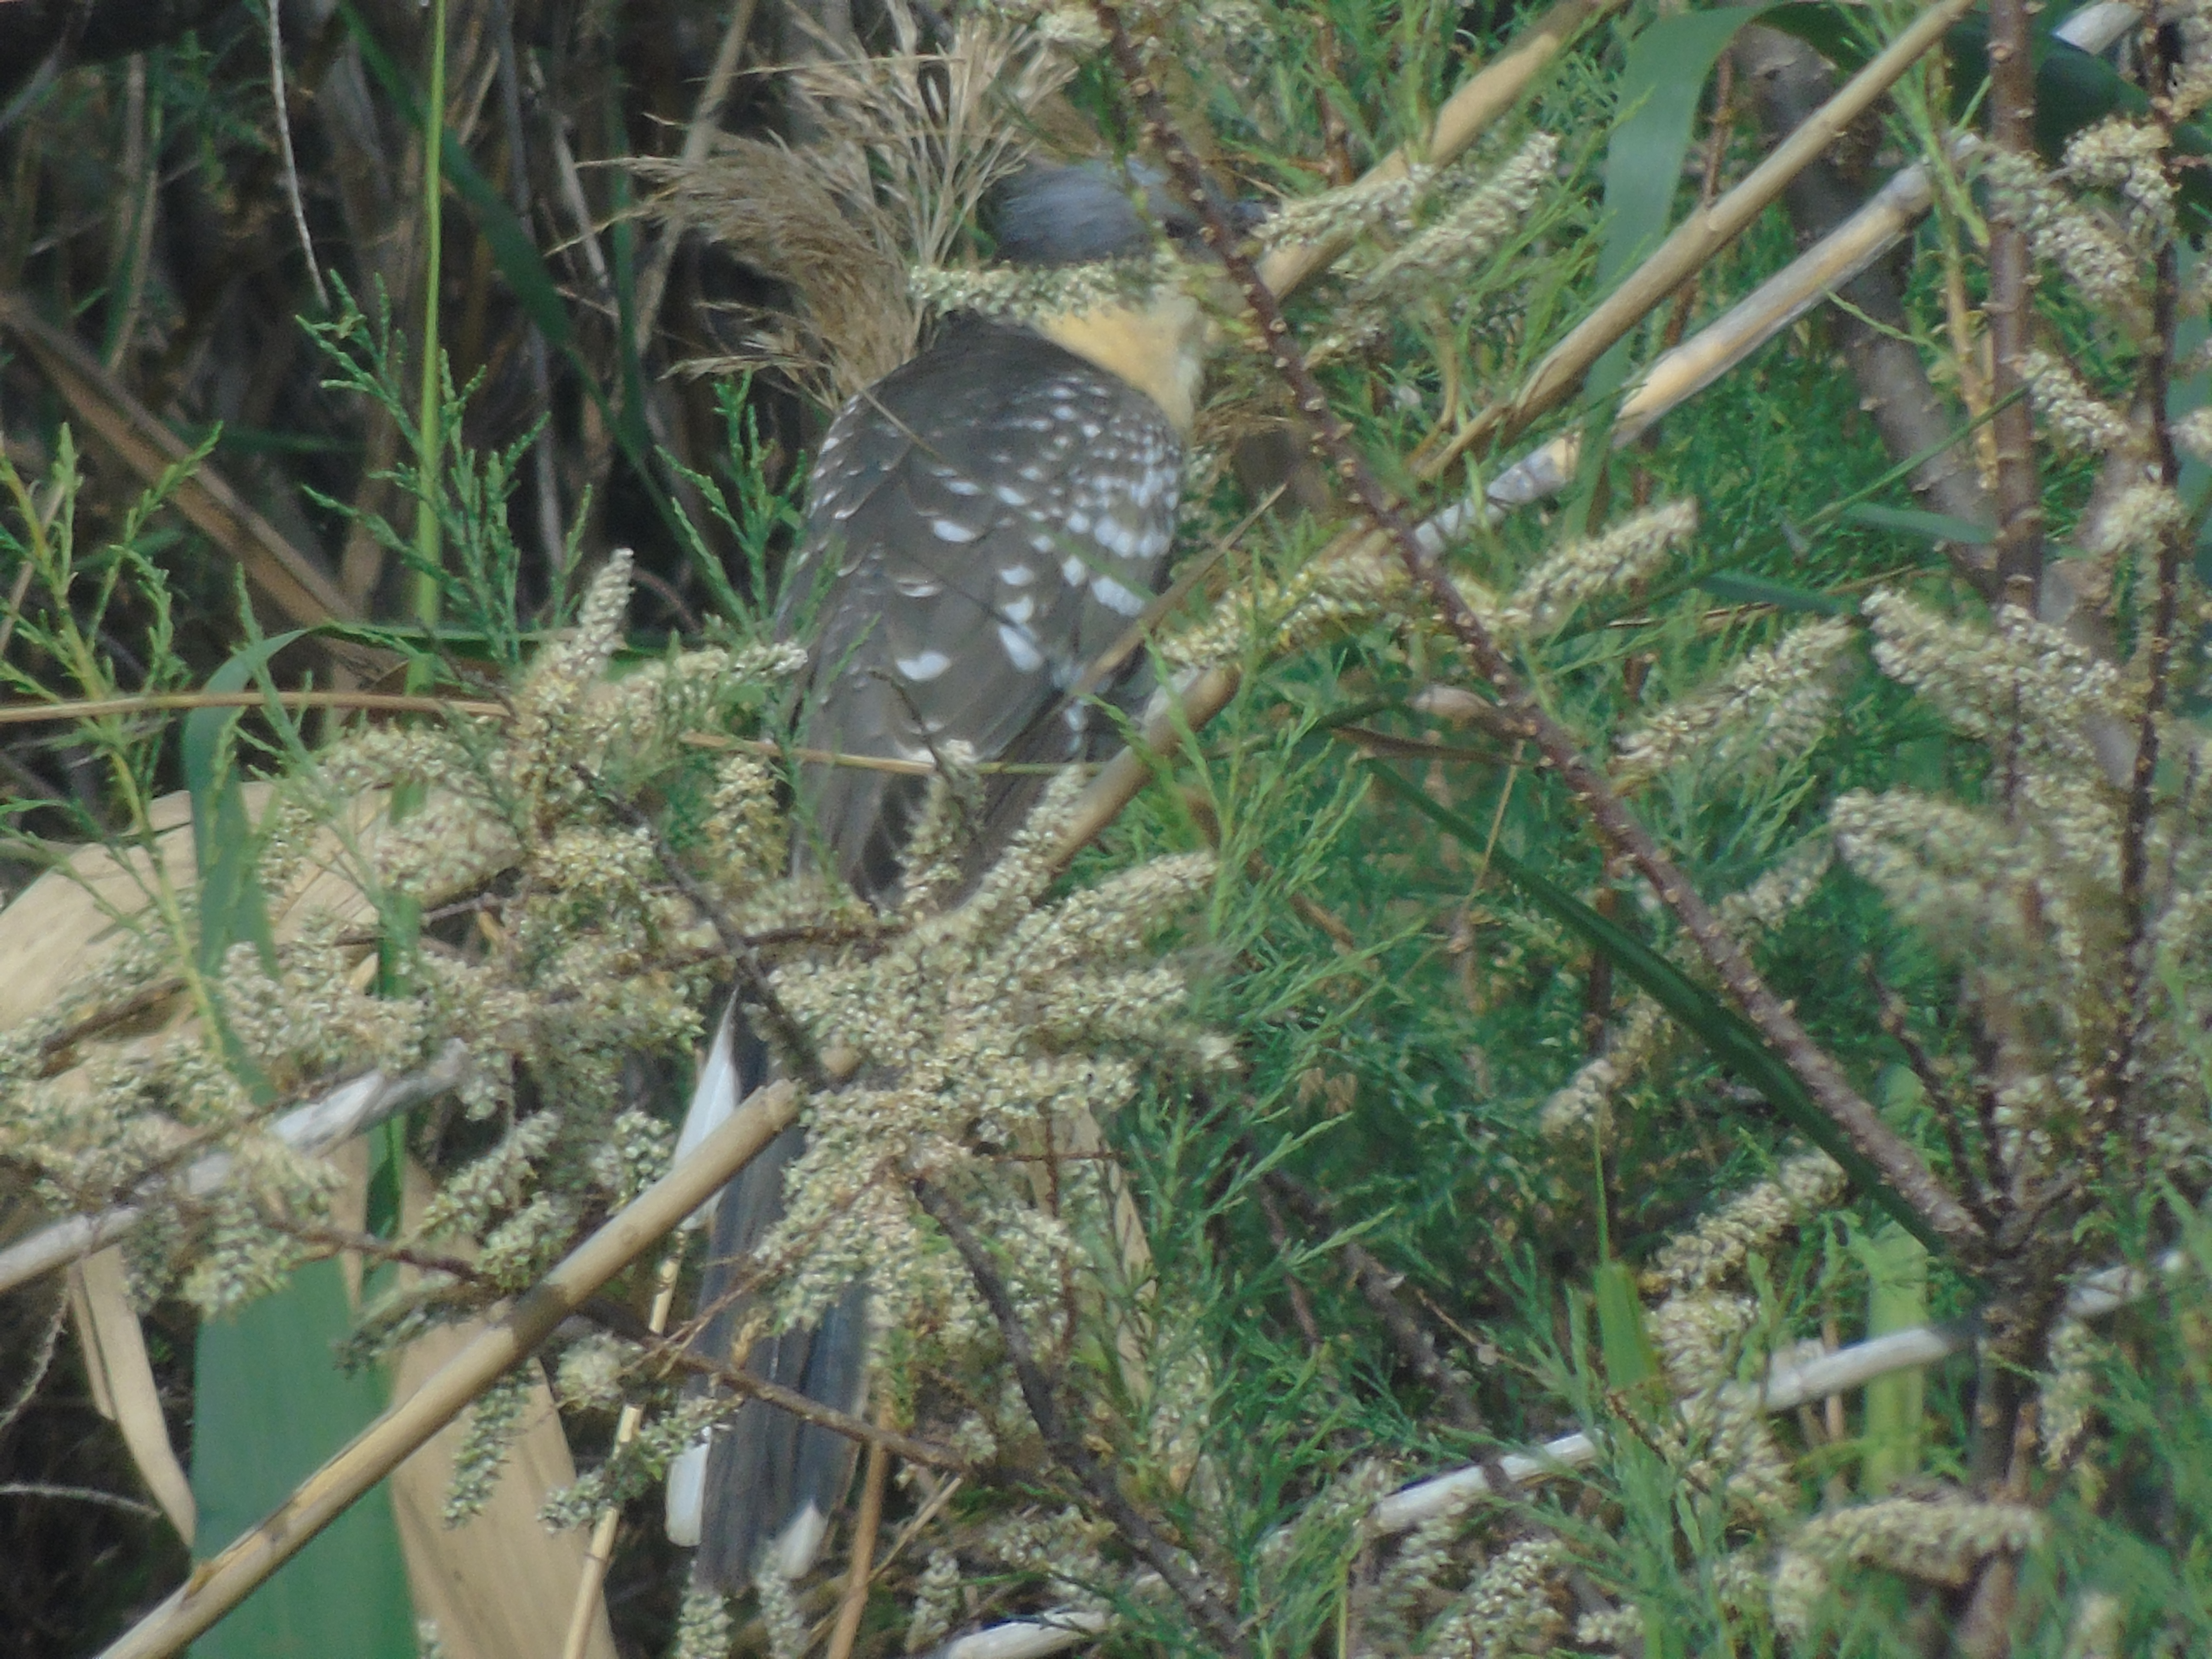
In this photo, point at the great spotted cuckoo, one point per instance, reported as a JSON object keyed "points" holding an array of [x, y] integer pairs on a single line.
{"points": [[983, 524]]}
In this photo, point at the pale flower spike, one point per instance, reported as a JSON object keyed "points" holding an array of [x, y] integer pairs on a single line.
{"points": [[1549, 595]]}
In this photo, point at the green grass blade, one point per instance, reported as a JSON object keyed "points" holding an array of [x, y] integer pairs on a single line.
{"points": [[232, 906], [521, 265], [1913, 521], [1758, 590], [1661, 84], [1632, 1363], [272, 1407]]}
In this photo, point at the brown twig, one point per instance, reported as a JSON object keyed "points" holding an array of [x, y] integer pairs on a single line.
{"points": [[78, 1495], [1717, 131], [1893, 1158], [2108, 1089], [669, 1349], [858, 1573], [1975, 1185], [1278, 1235], [600, 1553], [2011, 314], [385, 1250], [698, 139], [1197, 1597]]}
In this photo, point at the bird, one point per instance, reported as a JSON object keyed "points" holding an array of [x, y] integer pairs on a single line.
{"points": [[983, 523]]}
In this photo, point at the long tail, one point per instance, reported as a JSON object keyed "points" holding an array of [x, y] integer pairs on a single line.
{"points": [[757, 1494]]}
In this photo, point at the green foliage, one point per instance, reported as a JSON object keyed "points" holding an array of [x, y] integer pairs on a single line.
{"points": [[477, 578], [272, 1409], [1500, 1068]]}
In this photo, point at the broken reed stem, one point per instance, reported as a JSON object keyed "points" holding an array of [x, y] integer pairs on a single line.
{"points": [[1205, 1607], [2010, 308], [217, 1586], [1898, 1162], [601, 1550], [1695, 241], [1708, 230]]}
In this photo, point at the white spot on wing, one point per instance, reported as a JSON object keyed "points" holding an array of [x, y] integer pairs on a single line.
{"points": [[951, 530], [926, 667], [1021, 648], [1074, 571], [1018, 611], [1115, 597], [1016, 576], [918, 587]]}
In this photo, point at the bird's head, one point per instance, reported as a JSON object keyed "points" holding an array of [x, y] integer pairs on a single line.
{"points": [[1088, 213]]}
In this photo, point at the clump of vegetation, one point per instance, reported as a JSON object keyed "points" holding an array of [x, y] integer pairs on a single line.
{"points": [[1635, 1081]]}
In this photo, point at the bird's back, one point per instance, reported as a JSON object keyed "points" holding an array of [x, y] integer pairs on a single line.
{"points": [[985, 521]]}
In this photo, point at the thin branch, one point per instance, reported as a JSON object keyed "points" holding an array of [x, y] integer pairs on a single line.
{"points": [[1895, 1158], [858, 1573], [1975, 1185], [281, 99], [2011, 314], [600, 1553], [42, 1358], [2110, 1087], [698, 138], [1206, 1608], [670, 1351], [1279, 1237]]}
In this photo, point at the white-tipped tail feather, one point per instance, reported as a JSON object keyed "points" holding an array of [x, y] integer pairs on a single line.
{"points": [[713, 1098], [687, 1495]]}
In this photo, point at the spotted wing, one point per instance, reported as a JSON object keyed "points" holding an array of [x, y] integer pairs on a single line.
{"points": [[985, 522]]}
